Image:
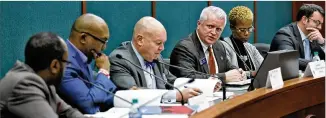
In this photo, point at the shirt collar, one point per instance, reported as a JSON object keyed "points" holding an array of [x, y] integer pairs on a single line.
{"points": [[139, 57], [205, 47], [81, 54], [303, 36]]}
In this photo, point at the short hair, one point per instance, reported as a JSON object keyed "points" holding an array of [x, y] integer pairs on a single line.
{"points": [[218, 12], [41, 49], [240, 13], [308, 9]]}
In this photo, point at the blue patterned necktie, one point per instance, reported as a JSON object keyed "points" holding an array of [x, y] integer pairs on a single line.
{"points": [[307, 52], [149, 64]]}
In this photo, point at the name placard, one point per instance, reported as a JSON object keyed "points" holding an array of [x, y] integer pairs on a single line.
{"points": [[315, 69], [274, 79]]}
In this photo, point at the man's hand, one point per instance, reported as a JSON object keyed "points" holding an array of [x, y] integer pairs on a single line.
{"points": [[233, 75], [315, 35], [188, 93], [134, 88], [102, 61]]}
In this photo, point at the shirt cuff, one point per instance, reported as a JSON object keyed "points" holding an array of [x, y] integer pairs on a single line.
{"points": [[105, 72], [170, 97]]}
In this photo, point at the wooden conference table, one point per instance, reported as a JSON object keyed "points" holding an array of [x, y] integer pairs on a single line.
{"points": [[298, 98]]}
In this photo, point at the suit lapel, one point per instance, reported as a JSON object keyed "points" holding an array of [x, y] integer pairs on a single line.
{"points": [[135, 60], [74, 57], [298, 37], [157, 71], [202, 58]]}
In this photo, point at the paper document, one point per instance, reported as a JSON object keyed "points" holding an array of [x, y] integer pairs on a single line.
{"points": [[143, 96], [205, 85], [244, 82]]}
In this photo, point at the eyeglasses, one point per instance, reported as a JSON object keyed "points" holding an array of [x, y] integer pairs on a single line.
{"points": [[250, 29], [62, 60], [317, 22], [104, 41]]}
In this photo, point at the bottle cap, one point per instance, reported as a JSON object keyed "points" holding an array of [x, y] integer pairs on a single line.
{"points": [[134, 101]]}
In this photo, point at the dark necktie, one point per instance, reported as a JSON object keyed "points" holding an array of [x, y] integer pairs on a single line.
{"points": [[149, 64], [211, 62]]}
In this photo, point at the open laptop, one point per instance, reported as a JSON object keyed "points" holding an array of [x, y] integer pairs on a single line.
{"points": [[288, 60]]}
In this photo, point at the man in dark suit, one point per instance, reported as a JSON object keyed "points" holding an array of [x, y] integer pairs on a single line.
{"points": [[147, 43], [88, 37], [28, 90], [203, 52], [303, 35]]}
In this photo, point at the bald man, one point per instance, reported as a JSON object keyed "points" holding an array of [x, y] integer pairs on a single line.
{"points": [[88, 37], [147, 43]]}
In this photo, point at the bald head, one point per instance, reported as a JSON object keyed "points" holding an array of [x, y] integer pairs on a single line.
{"points": [[89, 33], [148, 26], [92, 24], [149, 38]]}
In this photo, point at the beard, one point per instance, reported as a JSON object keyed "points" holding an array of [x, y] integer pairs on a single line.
{"points": [[58, 78]]}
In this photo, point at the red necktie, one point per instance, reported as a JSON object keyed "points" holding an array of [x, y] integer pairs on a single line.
{"points": [[211, 62]]}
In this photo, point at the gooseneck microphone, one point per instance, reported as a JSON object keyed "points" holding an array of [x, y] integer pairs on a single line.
{"points": [[187, 69], [159, 78], [193, 71], [74, 75]]}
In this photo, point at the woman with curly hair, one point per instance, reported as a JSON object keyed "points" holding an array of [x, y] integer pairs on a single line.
{"points": [[241, 53]]}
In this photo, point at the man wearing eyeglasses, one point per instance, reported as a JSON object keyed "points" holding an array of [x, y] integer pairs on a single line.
{"points": [[88, 37], [241, 53], [303, 35], [203, 51], [28, 89]]}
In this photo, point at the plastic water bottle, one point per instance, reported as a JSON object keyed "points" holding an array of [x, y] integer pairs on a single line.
{"points": [[315, 57], [134, 111]]}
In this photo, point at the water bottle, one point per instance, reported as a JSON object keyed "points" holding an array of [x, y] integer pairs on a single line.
{"points": [[134, 111], [315, 57]]}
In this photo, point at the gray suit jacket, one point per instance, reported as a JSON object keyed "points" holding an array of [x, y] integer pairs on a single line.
{"points": [[254, 54], [125, 75], [289, 38], [23, 94], [188, 53]]}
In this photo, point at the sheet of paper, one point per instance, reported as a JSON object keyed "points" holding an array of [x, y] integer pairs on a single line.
{"points": [[205, 85], [220, 94], [244, 82], [143, 96]]}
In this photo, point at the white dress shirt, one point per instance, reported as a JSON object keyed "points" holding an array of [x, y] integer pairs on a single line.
{"points": [[171, 96]]}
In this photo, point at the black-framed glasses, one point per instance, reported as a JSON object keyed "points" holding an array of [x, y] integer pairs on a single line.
{"points": [[250, 29], [317, 22], [104, 41]]}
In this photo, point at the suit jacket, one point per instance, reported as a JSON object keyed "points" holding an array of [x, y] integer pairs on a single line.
{"points": [[253, 53], [125, 75], [24, 94], [84, 96], [289, 38], [188, 53]]}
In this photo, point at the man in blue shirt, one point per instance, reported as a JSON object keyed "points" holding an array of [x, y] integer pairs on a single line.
{"points": [[87, 39]]}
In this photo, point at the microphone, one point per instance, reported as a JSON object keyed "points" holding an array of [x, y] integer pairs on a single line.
{"points": [[144, 104], [182, 100], [187, 69], [193, 71], [74, 75]]}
